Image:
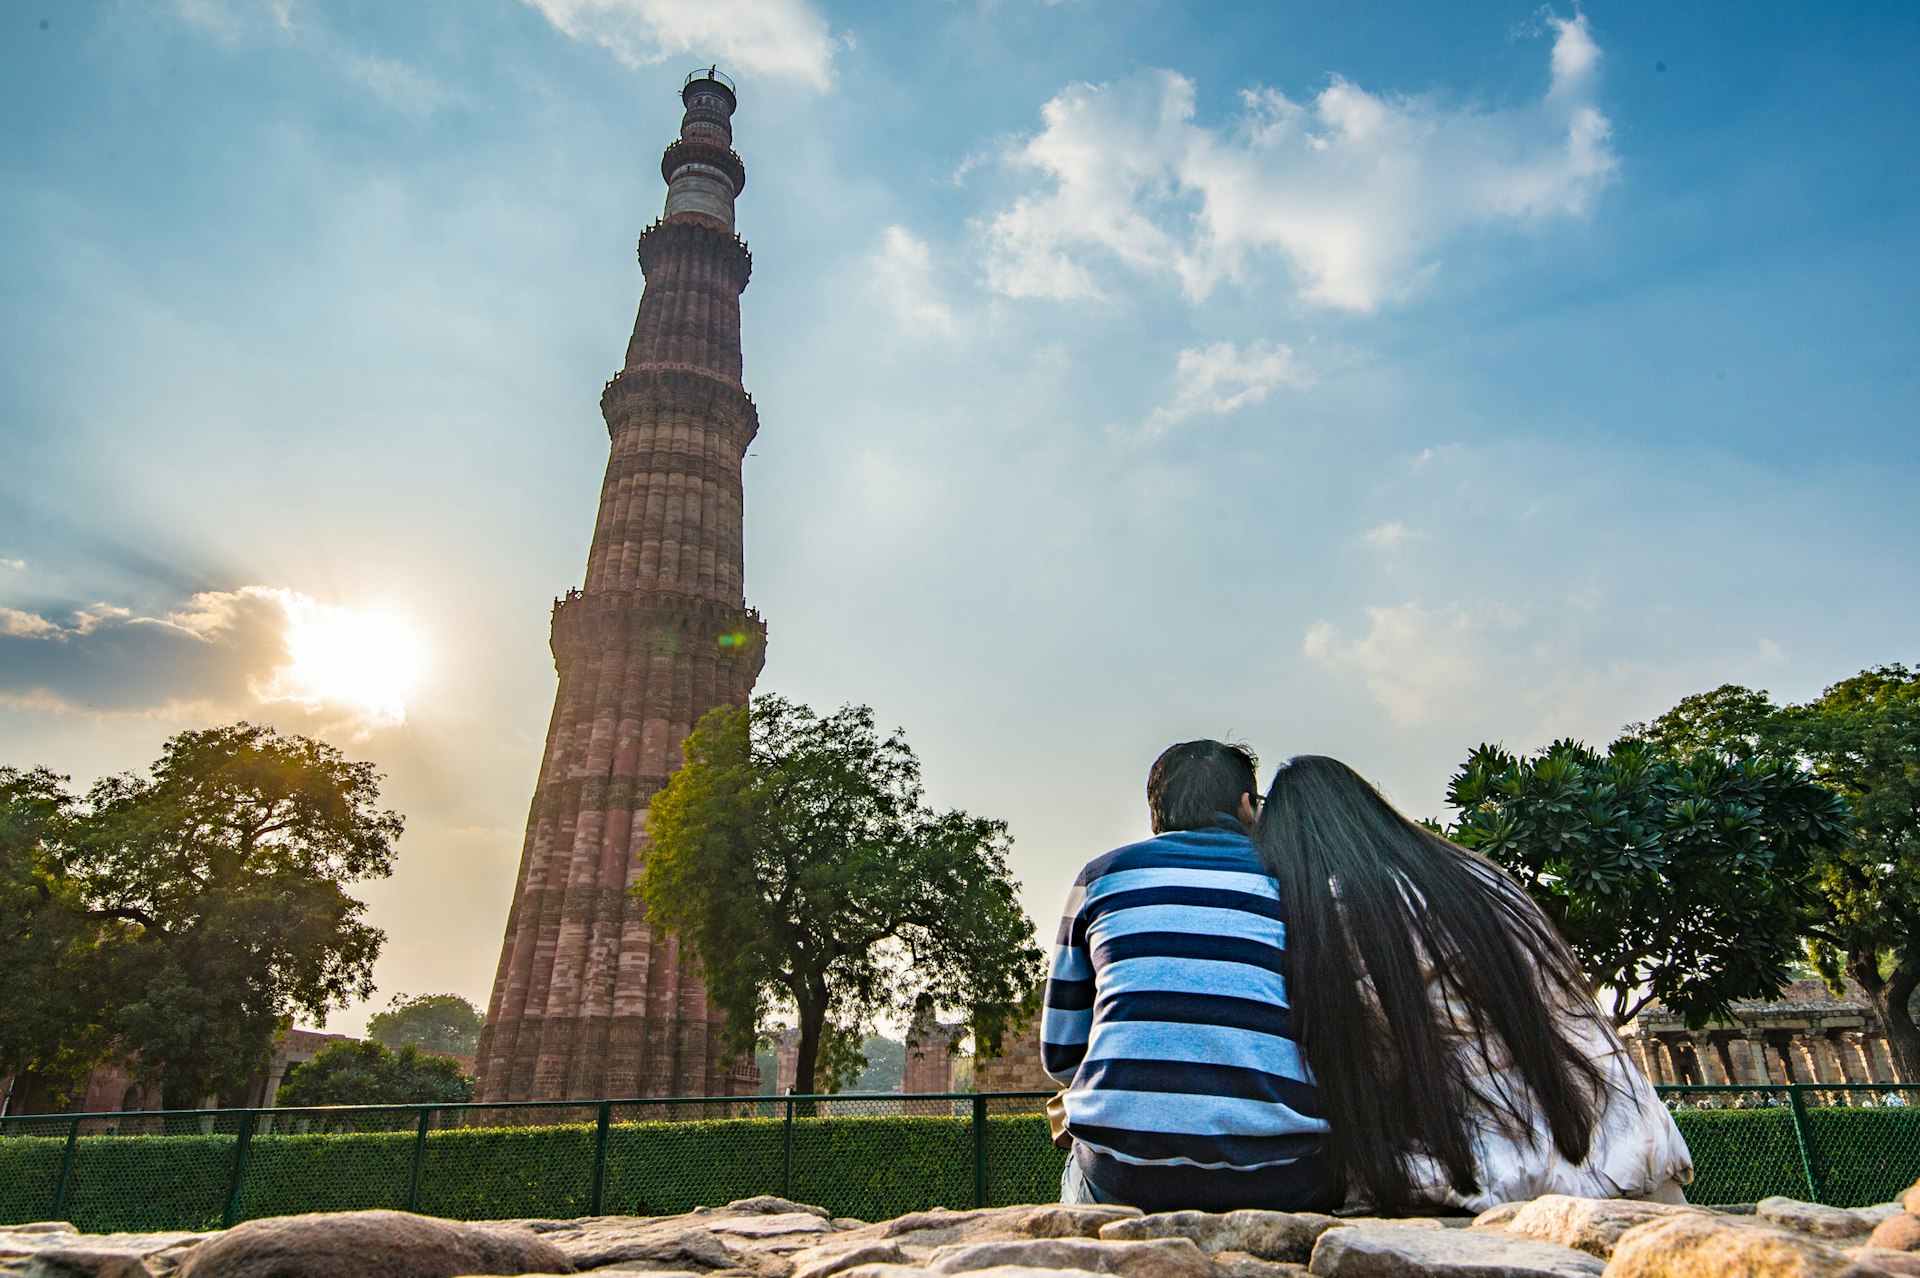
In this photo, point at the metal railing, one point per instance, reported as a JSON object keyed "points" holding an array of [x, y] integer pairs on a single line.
{"points": [[1844, 1144], [870, 1157]]}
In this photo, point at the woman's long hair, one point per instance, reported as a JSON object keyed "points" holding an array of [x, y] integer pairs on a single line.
{"points": [[1375, 905]]}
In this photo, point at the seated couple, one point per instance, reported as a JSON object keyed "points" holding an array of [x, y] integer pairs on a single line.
{"points": [[1310, 1002]]}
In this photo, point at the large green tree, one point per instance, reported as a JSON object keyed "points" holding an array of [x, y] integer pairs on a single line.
{"points": [[1861, 737], [444, 1023], [797, 854], [1684, 878], [364, 1073], [208, 901], [59, 962]]}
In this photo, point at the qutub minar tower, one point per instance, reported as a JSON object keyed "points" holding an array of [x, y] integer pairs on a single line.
{"points": [[589, 1002]]}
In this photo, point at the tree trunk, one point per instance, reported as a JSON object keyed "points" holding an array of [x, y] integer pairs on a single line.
{"points": [[806, 1056], [1891, 998]]}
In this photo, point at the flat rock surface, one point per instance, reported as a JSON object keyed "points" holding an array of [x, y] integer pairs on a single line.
{"points": [[1071, 1222], [1555, 1236], [1710, 1246], [1268, 1235], [1811, 1219], [1897, 1233], [1592, 1225], [1155, 1258], [1383, 1252], [837, 1254], [393, 1244]]}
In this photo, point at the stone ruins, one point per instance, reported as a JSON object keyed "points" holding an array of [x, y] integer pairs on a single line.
{"points": [[1807, 1035]]}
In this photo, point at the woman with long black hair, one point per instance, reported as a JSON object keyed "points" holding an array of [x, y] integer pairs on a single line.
{"points": [[1459, 1053]]}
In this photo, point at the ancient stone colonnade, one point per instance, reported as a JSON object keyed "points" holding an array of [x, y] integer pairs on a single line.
{"points": [[1807, 1035]]}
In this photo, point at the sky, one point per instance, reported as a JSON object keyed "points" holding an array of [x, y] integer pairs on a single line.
{"points": [[1370, 380]]}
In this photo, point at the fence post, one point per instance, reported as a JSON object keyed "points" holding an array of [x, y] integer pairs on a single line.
{"points": [[240, 1144], [980, 1182], [1809, 1164], [66, 1171], [597, 1193], [419, 1158], [786, 1152]]}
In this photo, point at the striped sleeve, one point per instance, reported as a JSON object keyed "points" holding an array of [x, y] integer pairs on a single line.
{"points": [[1066, 1017]]}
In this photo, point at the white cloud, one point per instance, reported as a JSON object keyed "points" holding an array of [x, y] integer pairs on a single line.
{"points": [[781, 39], [231, 21], [222, 653], [18, 565], [1389, 536], [1219, 378], [1420, 664], [1353, 190], [25, 625], [234, 23], [399, 85], [903, 273]]}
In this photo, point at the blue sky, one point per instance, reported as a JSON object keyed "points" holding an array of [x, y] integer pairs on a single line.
{"points": [[1373, 381]]}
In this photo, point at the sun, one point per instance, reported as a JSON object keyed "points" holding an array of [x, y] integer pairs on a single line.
{"points": [[366, 662]]}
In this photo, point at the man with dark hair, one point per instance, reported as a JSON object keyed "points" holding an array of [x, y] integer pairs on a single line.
{"points": [[1166, 1017]]}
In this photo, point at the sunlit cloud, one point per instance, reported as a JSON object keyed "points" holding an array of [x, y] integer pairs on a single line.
{"points": [[1222, 377], [220, 654], [1391, 535], [903, 273], [1353, 191], [780, 39]]}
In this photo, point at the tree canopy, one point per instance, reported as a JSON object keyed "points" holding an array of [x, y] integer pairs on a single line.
{"points": [[191, 912], [444, 1023], [367, 1073], [1682, 878], [798, 856], [1861, 738]]}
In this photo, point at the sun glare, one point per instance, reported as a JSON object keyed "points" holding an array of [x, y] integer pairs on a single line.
{"points": [[364, 662]]}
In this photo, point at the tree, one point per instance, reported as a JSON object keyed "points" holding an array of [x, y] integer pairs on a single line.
{"points": [[884, 1065], [205, 905], [365, 1073], [444, 1023], [52, 997], [797, 855], [1685, 879], [1862, 739]]}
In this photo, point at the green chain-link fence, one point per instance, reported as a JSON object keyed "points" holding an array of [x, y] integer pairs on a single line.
{"points": [[870, 1157]]}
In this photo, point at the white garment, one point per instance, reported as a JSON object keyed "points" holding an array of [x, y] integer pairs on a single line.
{"points": [[1636, 1150]]}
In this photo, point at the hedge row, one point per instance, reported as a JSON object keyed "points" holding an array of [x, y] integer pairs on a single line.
{"points": [[871, 1168]]}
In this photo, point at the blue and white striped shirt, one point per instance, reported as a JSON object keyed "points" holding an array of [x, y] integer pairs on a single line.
{"points": [[1166, 1019]]}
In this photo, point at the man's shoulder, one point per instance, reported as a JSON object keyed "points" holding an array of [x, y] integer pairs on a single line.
{"points": [[1212, 847]]}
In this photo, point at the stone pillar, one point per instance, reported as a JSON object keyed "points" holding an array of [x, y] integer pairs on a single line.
{"points": [[1717, 1060], [1879, 1059], [1779, 1056], [1757, 1069], [1844, 1059], [1806, 1059]]}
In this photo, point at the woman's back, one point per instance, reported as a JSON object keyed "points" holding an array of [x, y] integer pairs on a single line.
{"points": [[1460, 1056]]}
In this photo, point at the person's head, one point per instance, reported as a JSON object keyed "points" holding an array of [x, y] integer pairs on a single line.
{"points": [[1192, 783], [1375, 905]]}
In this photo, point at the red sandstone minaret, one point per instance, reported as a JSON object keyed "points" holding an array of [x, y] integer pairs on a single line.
{"points": [[588, 1002]]}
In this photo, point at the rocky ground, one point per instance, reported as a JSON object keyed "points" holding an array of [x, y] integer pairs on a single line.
{"points": [[1551, 1237]]}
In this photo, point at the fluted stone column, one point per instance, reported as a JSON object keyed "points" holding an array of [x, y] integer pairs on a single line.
{"points": [[588, 1002]]}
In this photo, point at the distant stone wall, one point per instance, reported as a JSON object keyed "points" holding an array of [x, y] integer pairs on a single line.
{"points": [[1017, 1067], [1807, 1035]]}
